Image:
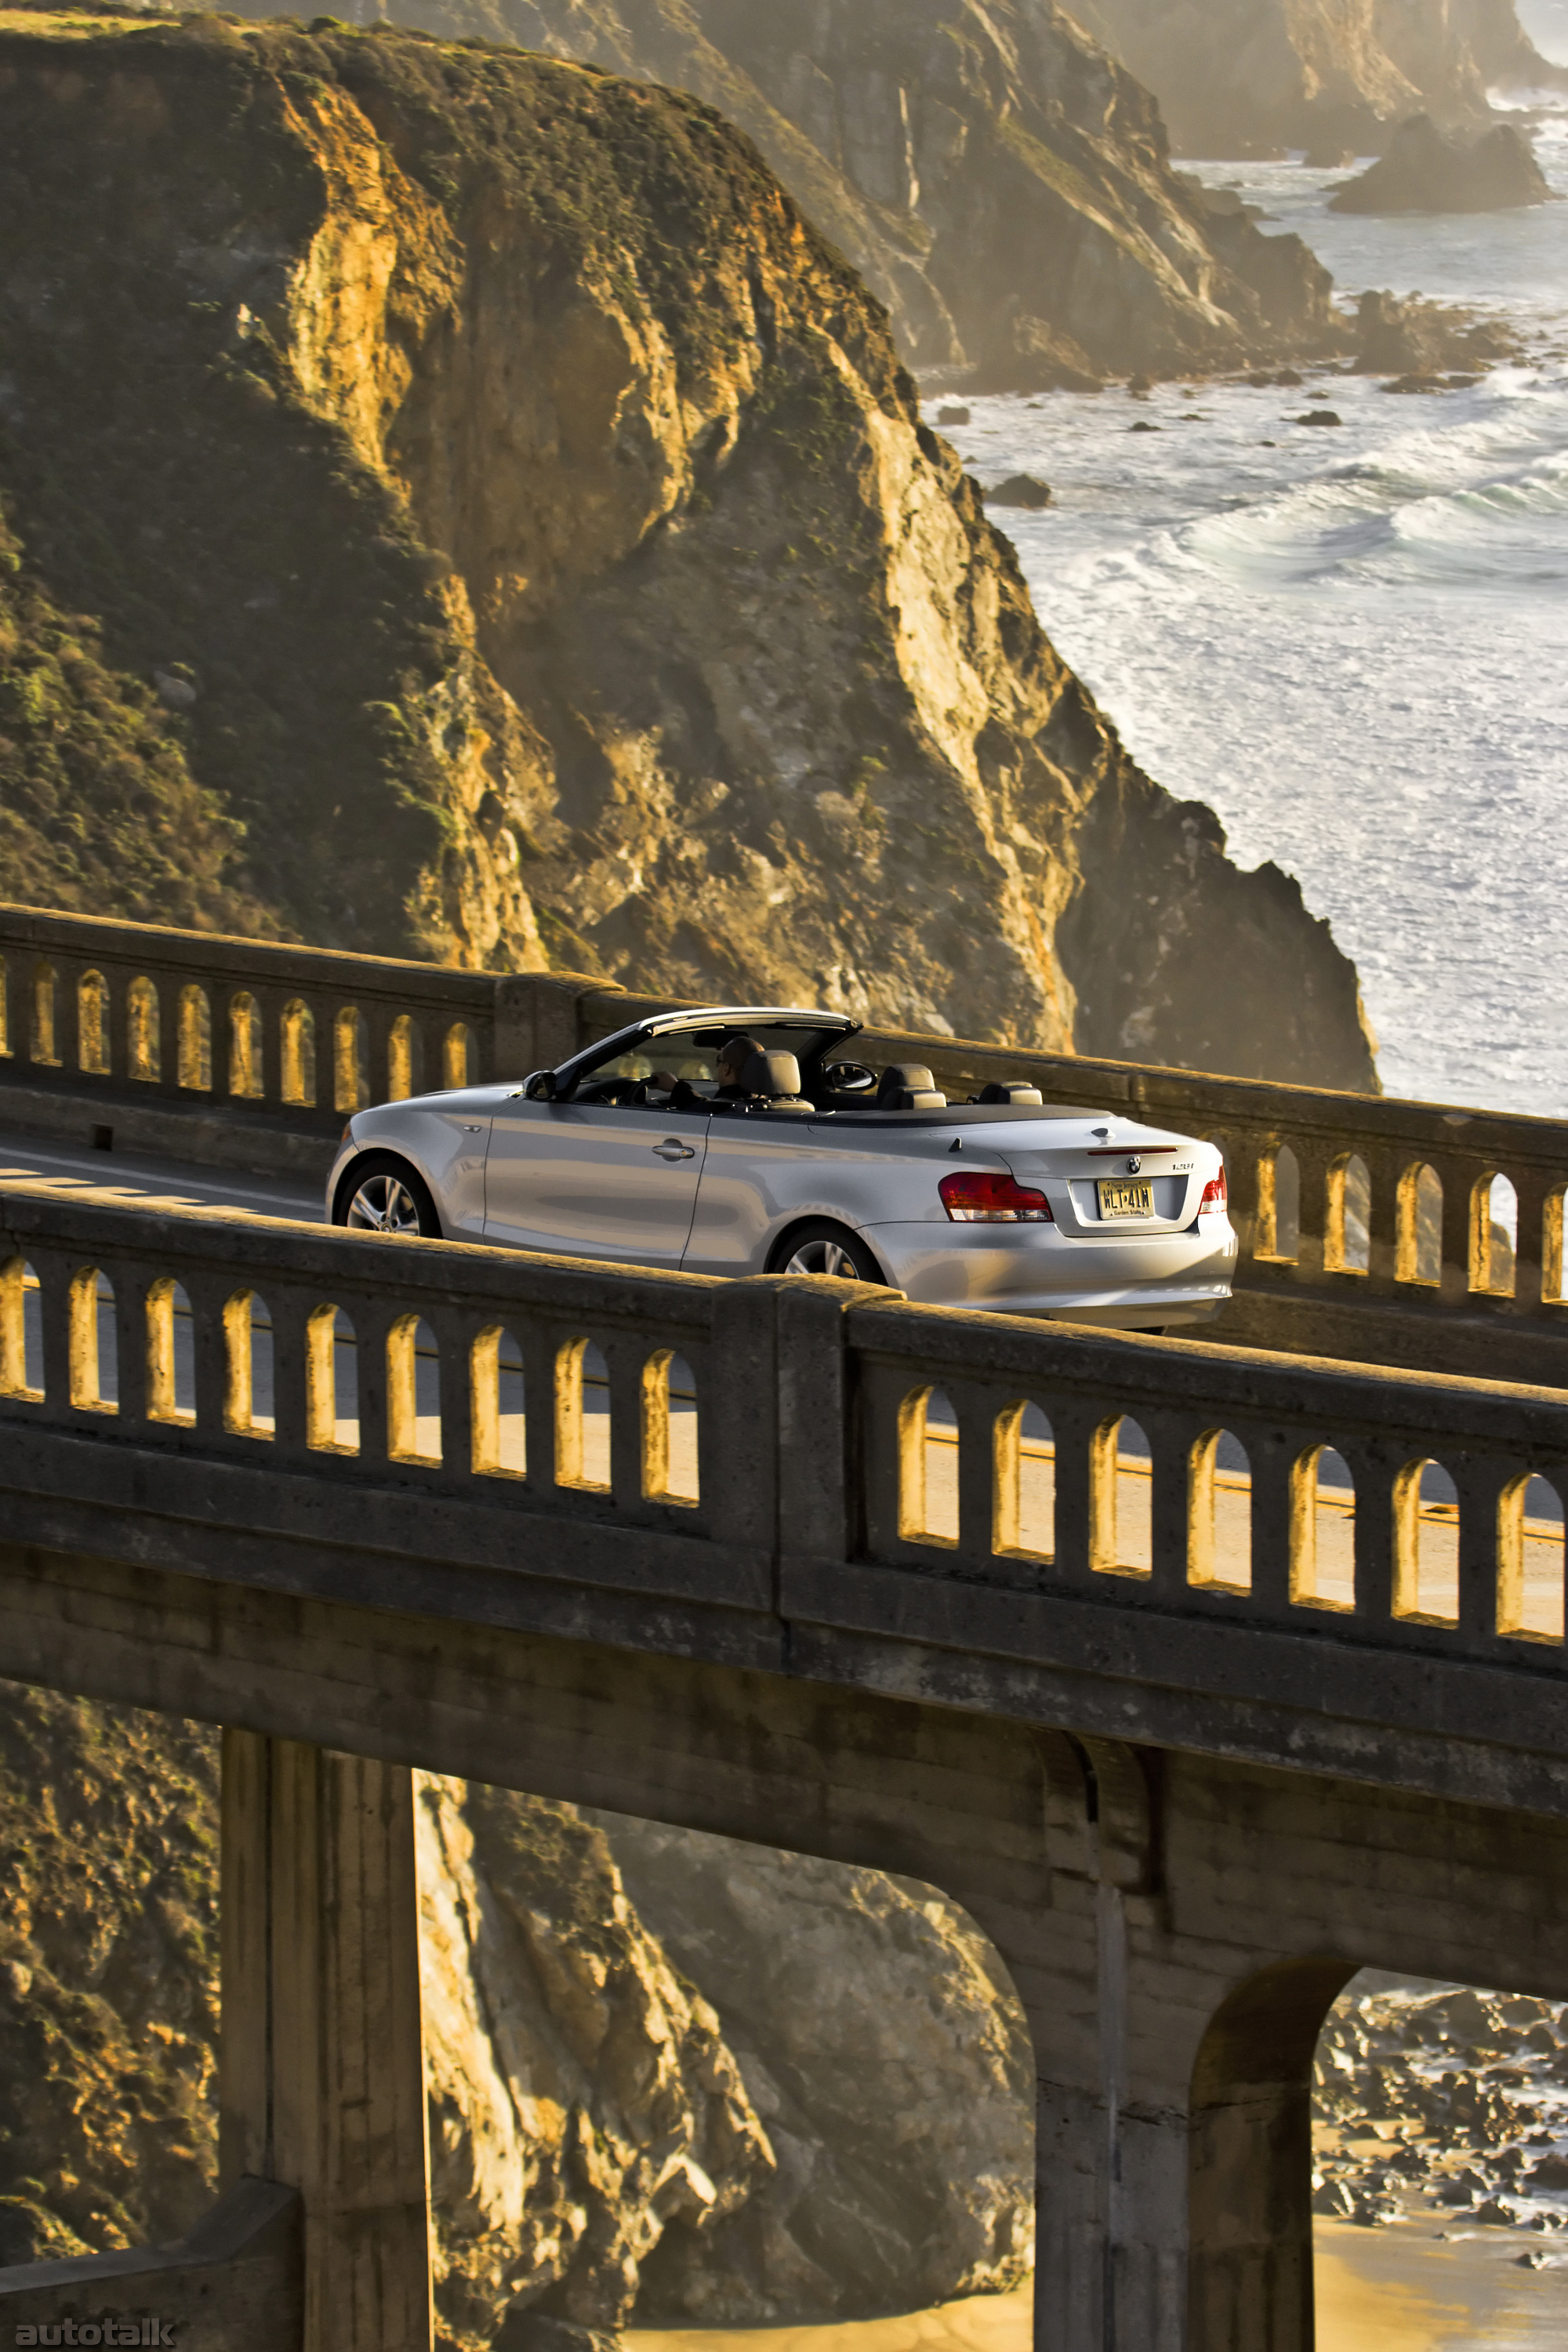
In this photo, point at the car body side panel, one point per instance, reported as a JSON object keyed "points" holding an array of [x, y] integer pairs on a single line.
{"points": [[446, 1137], [764, 1174], [588, 1179]]}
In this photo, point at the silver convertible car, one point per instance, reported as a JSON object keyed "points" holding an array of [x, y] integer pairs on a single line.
{"points": [[741, 1140]]}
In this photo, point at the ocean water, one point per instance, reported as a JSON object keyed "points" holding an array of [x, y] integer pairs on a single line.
{"points": [[1352, 641]]}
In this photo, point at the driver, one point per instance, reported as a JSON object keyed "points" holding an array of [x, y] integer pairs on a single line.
{"points": [[733, 1055]]}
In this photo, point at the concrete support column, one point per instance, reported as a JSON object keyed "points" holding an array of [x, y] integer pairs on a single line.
{"points": [[322, 2071]]}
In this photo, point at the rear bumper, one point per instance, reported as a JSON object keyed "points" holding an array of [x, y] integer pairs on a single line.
{"points": [[1129, 1283]]}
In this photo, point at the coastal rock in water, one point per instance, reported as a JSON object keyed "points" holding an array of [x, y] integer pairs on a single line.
{"points": [[889, 2058], [591, 593], [1020, 491], [1409, 337], [1423, 172], [1256, 77]]}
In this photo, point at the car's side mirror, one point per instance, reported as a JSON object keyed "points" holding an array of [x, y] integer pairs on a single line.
{"points": [[849, 1077], [540, 1088]]}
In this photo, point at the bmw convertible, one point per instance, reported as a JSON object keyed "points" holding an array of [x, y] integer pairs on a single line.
{"points": [[743, 1139]]}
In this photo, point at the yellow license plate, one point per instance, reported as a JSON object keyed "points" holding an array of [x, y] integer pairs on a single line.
{"points": [[1126, 1200]]}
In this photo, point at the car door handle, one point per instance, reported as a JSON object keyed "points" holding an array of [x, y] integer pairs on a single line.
{"points": [[671, 1149]]}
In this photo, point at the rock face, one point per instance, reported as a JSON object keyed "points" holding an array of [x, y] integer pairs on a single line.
{"points": [[539, 513], [582, 2098], [891, 2062], [1423, 172], [1244, 76], [108, 1976], [1001, 184]]}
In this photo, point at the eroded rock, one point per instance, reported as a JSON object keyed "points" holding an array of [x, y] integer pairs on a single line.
{"points": [[1423, 172]]}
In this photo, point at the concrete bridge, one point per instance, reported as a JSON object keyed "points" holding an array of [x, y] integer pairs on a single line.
{"points": [[1174, 1662]]}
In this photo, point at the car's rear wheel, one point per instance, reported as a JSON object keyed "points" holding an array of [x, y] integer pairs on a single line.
{"points": [[381, 1194], [827, 1249]]}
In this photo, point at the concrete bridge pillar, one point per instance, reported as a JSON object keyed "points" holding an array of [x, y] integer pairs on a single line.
{"points": [[322, 2069]]}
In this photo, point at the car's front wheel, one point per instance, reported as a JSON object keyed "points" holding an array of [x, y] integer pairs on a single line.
{"points": [[381, 1194], [827, 1249]]}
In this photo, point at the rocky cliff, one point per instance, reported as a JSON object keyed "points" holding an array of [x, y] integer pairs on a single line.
{"points": [[526, 524], [1001, 184], [1244, 76]]}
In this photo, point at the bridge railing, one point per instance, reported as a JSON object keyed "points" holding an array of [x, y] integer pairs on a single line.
{"points": [[1340, 1200], [703, 1426]]}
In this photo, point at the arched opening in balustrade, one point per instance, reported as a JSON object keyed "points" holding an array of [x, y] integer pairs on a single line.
{"points": [[459, 1057], [245, 1078], [1279, 1205], [1322, 1531], [331, 1382], [5, 1010], [21, 1331], [413, 1391], [1531, 1560], [928, 1468], [1551, 1269], [1219, 1512], [498, 1404], [405, 1059], [1347, 1232], [1494, 1235], [350, 1060], [144, 1025], [92, 1023], [1418, 1256], [1023, 1484], [1121, 1499], [195, 1039], [1426, 1544], [92, 1343], [248, 1407], [582, 1416], [297, 1055], [171, 1354], [669, 1429], [41, 1036]]}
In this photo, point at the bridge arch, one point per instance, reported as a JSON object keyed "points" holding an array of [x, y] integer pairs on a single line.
{"points": [[928, 1468], [1250, 2181], [143, 1030], [1279, 1205], [498, 1414], [1121, 1499]]}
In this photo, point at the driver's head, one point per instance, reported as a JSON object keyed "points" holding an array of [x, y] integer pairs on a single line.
{"points": [[733, 1055]]}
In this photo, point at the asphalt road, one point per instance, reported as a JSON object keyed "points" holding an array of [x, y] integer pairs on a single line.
{"points": [[141, 1180]]}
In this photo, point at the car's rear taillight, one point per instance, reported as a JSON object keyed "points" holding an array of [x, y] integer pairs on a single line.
{"points": [[1216, 1200], [983, 1198]]}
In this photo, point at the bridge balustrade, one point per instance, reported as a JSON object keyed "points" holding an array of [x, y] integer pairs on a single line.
{"points": [[1374, 1229], [1173, 1477]]}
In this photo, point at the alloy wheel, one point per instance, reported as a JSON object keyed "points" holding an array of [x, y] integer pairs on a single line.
{"points": [[383, 1205], [823, 1256]]}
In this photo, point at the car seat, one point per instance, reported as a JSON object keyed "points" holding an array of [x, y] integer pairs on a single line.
{"points": [[775, 1079], [1012, 1090], [908, 1086]]}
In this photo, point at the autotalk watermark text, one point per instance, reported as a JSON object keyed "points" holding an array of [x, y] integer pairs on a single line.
{"points": [[111, 2329]]}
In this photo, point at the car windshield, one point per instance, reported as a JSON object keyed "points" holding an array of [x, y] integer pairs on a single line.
{"points": [[692, 1055]]}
